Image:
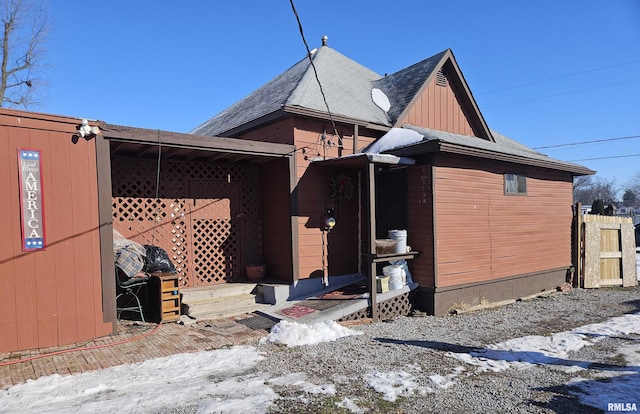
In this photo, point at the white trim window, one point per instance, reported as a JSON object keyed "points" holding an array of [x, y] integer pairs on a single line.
{"points": [[515, 184]]}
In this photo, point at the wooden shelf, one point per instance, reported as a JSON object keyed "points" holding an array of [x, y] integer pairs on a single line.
{"points": [[164, 297], [377, 258]]}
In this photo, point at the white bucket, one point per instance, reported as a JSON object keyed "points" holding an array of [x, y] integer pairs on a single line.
{"points": [[395, 276], [401, 237]]}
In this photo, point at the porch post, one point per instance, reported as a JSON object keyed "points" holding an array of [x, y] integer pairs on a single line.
{"points": [[371, 193], [293, 211], [105, 217]]}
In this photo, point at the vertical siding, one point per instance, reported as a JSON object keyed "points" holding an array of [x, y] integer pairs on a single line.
{"points": [[483, 234], [50, 297], [420, 224], [438, 108], [9, 252]]}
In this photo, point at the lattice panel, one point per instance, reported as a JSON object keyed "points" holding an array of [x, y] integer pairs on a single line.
{"points": [[158, 222], [207, 217], [215, 252], [389, 309], [395, 307]]}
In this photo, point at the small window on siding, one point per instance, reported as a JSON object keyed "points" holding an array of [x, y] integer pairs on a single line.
{"points": [[515, 184]]}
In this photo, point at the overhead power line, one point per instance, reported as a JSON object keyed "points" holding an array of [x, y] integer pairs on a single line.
{"points": [[593, 141], [564, 93], [559, 77], [607, 158]]}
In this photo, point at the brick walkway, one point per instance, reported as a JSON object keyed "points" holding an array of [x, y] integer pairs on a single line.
{"points": [[135, 342]]}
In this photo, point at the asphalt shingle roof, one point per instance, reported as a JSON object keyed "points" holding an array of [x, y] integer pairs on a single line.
{"points": [[346, 85], [402, 86], [502, 145]]}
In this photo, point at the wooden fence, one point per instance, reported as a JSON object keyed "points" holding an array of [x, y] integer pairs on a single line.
{"points": [[607, 251]]}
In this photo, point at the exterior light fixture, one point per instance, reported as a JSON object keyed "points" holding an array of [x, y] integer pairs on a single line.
{"points": [[329, 220]]}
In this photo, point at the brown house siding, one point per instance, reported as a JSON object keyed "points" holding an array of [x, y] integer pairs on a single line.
{"points": [[280, 132], [438, 108], [483, 234], [53, 296], [334, 253], [420, 223]]}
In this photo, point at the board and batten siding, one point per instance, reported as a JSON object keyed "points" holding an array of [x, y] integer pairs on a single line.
{"points": [[483, 234], [53, 296], [438, 108]]}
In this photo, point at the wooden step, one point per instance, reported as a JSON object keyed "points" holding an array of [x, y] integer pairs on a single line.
{"points": [[228, 312], [220, 301], [231, 302], [218, 291]]}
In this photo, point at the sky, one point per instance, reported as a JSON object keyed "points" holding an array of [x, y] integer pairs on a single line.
{"points": [[543, 72], [227, 381]]}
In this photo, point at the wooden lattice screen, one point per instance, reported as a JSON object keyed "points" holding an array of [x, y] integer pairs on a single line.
{"points": [[207, 216]]}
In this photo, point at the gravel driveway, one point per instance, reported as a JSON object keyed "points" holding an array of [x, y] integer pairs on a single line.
{"points": [[421, 352]]}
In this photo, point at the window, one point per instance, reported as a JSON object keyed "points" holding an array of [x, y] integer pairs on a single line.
{"points": [[515, 184]]}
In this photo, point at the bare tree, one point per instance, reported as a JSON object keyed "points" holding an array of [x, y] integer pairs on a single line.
{"points": [[632, 192], [25, 30], [629, 198], [587, 188], [634, 184]]}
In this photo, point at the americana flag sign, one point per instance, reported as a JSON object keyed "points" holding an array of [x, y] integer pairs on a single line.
{"points": [[31, 203]]}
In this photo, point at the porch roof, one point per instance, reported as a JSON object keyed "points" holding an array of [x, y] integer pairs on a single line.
{"points": [[141, 142], [360, 160]]}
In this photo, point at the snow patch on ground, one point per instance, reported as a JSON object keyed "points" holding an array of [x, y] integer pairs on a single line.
{"points": [[298, 334]]}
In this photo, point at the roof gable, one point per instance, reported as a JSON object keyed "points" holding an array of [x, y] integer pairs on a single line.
{"points": [[403, 86], [408, 88]]}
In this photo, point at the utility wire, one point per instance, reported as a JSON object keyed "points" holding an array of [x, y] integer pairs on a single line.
{"points": [[588, 142], [564, 93], [559, 77], [607, 158], [315, 71]]}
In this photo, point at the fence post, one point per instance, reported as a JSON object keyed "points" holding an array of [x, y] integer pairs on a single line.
{"points": [[577, 247]]}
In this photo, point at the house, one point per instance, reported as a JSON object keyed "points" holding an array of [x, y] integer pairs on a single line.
{"points": [[487, 218], [64, 193], [264, 181]]}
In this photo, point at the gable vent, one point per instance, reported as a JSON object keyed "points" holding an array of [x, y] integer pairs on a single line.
{"points": [[441, 80]]}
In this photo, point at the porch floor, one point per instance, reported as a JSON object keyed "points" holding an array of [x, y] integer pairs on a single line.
{"points": [[332, 305]]}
